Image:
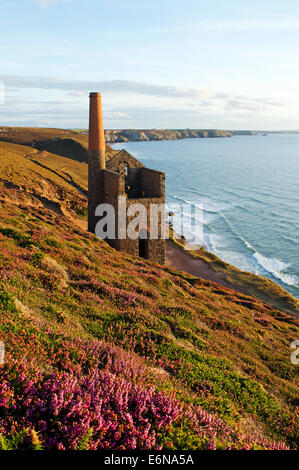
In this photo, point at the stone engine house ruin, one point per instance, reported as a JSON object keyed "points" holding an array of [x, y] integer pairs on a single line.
{"points": [[123, 175]]}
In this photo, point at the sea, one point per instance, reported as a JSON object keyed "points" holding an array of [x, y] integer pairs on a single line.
{"points": [[238, 196]]}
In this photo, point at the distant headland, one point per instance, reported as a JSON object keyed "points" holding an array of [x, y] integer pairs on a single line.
{"points": [[137, 135], [128, 135], [142, 135]]}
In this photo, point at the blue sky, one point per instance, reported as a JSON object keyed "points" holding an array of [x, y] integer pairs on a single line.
{"points": [[168, 63]]}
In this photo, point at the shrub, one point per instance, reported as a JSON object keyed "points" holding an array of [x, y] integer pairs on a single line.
{"points": [[7, 301], [37, 258], [22, 239], [51, 241]]}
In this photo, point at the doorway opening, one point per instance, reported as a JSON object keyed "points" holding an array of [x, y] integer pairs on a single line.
{"points": [[143, 244]]}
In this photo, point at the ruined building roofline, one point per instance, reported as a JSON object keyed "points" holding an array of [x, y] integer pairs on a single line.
{"points": [[154, 171], [125, 157]]}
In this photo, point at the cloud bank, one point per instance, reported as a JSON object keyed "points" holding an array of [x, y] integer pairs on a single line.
{"points": [[124, 87], [111, 86], [50, 102]]}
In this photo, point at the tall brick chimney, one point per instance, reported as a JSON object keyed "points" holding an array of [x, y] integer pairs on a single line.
{"points": [[96, 157], [96, 130]]}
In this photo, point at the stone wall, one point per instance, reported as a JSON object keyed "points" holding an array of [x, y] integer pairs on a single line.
{"points": [[155, 248], [152, 182], [139, 185]]}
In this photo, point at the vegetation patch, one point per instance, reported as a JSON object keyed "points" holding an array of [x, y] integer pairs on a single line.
{"points": [[106, 349]]}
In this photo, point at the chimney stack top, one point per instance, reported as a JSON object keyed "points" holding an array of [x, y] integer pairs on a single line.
{"points": [[94, 94]]}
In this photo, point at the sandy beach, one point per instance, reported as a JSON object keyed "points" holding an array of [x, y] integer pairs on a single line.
{"points": [[180, 260]]}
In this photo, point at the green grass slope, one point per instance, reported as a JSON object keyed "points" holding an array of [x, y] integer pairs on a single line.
{"points": [[62, 142], [26, 179], [103, 348]]}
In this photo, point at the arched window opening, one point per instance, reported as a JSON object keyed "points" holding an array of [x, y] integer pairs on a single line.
{"points": [[124, 168], [124, 171]]}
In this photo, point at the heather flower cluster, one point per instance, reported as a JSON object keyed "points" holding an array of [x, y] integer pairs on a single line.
{"points": [[97, 404], [65, 408], [194, 363]]}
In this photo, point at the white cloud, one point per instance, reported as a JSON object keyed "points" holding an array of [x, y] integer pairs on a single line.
{"points": [[124, 87], [111, 86], [116, 115], [47, 3], [62, 111], [129, 104]]}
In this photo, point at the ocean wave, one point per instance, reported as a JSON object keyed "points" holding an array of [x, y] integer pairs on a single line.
{"points": [[204, 195], [236, 233], [276, 268], [192, 237], [214, 242], [254, 261], [244, 196], [206, 204], [260, 197], [272, 266]]}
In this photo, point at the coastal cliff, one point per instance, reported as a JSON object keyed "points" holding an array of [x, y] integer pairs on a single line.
{"points": [[136, 135]]}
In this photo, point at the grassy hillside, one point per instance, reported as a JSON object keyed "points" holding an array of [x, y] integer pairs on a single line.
{"points": [[106, 349], [62, 142], [30, 177]]}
